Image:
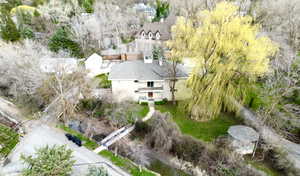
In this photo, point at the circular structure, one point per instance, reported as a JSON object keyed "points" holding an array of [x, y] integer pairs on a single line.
{"points": [[243, 133]]}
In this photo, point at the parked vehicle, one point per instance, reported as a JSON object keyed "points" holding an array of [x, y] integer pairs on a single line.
{"points": [[74, 139]]}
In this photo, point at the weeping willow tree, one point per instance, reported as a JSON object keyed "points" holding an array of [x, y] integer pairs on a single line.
{"points": [[229, 55]]}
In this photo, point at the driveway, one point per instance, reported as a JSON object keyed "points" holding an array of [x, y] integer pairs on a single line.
{"points": [[43, 135]]}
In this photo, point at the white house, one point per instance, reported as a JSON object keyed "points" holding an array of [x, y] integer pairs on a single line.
{"points": [[56, 65], [142, 81], [93, 64], [96, 65]]}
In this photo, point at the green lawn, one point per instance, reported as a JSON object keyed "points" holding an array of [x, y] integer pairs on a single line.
{"points": [[8, 140], [206, 131], [86, 141], [125, 164], [142, 111]]}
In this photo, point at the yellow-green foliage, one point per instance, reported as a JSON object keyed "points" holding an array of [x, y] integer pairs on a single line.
{"points": [[23, 8], [229, 54]]}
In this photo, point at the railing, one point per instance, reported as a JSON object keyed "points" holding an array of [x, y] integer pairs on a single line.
{"points": [[150, 89]]}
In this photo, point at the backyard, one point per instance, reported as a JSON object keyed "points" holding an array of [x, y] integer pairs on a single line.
{"points": [[206, 131], [8, 140]]}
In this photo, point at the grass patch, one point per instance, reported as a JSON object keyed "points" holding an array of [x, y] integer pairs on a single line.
{"points": [[8, 140], [86, 141], [125, 164], [103, 81], [206, 131], [262, 166], [143, 111]]}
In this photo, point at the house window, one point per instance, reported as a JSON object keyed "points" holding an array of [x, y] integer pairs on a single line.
{"points": [[150, 35], [143, 35], [150, 84], [157, 35], [150, 94]]}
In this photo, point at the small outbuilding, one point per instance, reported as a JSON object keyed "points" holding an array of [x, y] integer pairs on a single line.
{"points": [[93, 64], [243, 139]]}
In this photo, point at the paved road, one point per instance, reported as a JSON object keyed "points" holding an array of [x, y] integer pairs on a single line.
{"points": [[43, 135]]}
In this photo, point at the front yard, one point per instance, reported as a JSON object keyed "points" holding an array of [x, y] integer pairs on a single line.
{"points": [[8, 140], [206, 131]]}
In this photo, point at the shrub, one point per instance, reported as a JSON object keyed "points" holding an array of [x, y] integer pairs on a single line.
{"points": [[281, 163], [89, 104], [162, 10], [164, 101], [188, 149], [87, 5], [38, 2], [11, 4], [163, 132], [27, 33], [144, 103], [54, 161], [104, 82], [61, 40], [141, 128]]}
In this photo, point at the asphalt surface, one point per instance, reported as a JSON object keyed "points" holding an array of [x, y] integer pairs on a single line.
{"points": [[43, 135]]}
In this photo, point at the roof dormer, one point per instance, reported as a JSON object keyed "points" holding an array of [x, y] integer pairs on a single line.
{"points": [[143, 34], [157, 35], [150, 35]]}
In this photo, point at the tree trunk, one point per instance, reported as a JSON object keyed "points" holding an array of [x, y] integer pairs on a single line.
{"points": [[172, 87]]}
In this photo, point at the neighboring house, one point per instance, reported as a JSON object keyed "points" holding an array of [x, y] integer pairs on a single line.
{"points": [[154, 34], [143, 80], [56, 65]]}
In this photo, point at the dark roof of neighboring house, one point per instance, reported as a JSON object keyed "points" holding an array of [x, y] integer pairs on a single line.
{"points": [[164, 27], [138, 70]]}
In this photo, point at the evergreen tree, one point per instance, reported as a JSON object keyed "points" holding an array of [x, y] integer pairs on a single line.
{"points": [[8, 29]]}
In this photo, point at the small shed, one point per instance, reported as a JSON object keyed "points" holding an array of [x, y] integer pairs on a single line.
{"points": [[94, 64], [243, 139]]}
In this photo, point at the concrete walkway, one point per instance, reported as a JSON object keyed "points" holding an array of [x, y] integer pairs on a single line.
{"points": [[122, 132]]}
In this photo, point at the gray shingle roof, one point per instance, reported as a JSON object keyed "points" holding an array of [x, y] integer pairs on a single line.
{"points": [[164, 28], [138, 70]]}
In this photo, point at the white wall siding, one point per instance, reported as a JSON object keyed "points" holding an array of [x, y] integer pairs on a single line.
{"points": [[123, 90]]}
